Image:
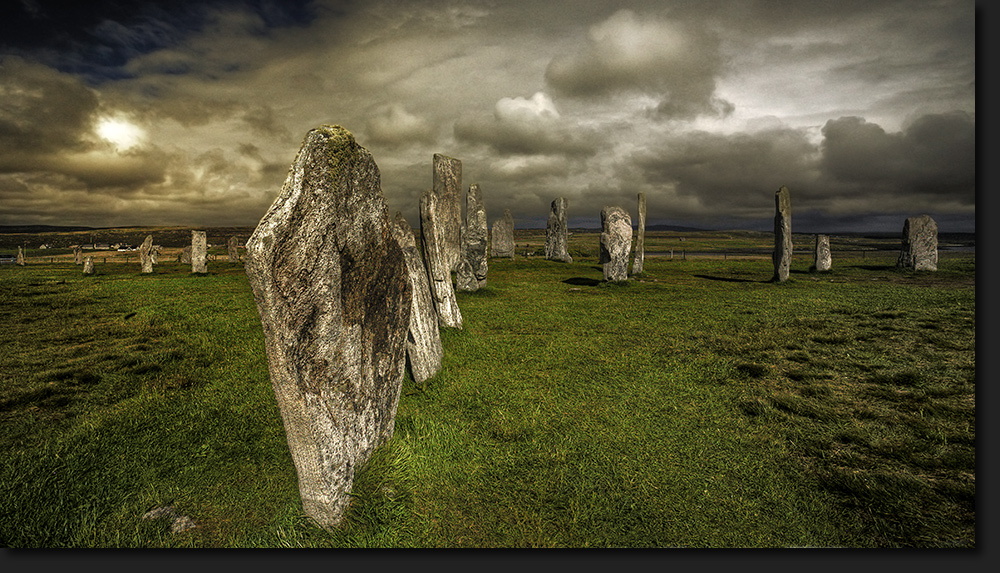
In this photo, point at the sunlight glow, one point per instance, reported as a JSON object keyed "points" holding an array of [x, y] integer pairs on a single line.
{"points": [[122, 133]]}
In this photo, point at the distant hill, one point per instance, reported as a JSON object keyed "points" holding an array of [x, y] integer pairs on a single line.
{"points": [[16, 229]]}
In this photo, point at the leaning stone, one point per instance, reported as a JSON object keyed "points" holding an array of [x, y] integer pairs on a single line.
{"points": [[88, 266], [475, 235], [640, 240], [503, 236], [146, 254], [616, 240], [822, 260], [448, 189], [232, 246], [782, 256], [199, 252], [919, 246], [20, 255], [331, 287], [438, 270], [556, 233], [423, 341]]}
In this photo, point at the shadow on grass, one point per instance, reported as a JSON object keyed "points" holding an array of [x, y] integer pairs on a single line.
{"points": [[874, 267], [730, 279], [581, 281]]}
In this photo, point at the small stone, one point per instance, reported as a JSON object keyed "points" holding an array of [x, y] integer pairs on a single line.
{"points": [[616, 240], [185, 257], [232, 248], [20, 256], [465, 278], [919, 246], [88, 265], [503, 236], [822, 260], [181, 524]]}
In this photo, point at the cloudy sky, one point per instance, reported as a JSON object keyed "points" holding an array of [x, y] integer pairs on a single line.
{"points": [[190, 112]]}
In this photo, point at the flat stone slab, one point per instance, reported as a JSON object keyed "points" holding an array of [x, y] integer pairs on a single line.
{"points": [[423, 341]]}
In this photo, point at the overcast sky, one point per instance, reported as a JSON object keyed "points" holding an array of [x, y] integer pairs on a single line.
{"points": [[190, 112]]}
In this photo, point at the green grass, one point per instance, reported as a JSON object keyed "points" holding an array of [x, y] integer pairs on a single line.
{"points": [[698, 405]]}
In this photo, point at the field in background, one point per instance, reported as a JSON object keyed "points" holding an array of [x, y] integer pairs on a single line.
{"points": [[699, 405]]}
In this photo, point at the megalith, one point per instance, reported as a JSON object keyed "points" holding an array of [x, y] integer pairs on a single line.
{"points": [[232, 247], [20, 256], [640, 239], [185, 257], [199, 252], [331, 287], [822, 259], [78, 254], [88, 265], [919, 246], [556, 233], [447, 187], [475, 235], [146, 254], [782, 256], [423, 340], [503, 236], [438, 269], [616, 241]]}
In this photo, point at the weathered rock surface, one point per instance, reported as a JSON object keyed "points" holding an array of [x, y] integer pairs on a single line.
{"points": [[503, 236], [185, 257], [88, 265], [78, 254], [232, 248], [438, 269], [331, 287], [782, 256], [556, 233], [423, 341], [475, 235], [146, 254], [919, 247], [616, 241], [465, 278], [822, 259], [199, 252], [640, 239], [20, 256], [448, 190]]}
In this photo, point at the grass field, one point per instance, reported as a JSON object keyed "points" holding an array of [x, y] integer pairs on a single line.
{"points": [[697, 405]]}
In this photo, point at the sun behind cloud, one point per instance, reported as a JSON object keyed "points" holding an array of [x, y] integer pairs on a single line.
{"points": [[123, 134]]}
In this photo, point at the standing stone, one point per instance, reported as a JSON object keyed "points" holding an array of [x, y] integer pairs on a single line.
{"points": [[503, 236], [199, 252], [475, 237], [88, 266], [20, 256], [232, 246], [556, 233], [616, 240], [78, 255], [185, 256], [154, 254], [823, 260], [782, 256], [423, 340], [919, 247], [438, 270], [640, 240], [465, 278], [448, 191], [331, 287], [146, 254]]}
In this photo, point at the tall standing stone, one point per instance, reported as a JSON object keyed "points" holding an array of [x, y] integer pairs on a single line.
{"points": [[503, 236], [331, 287], [88, 265], [556, 233], [423, 340], [475, 237], [20, 256], [438, 269], [448, 190], [822, 259], [919, 247], [232, 247], [199, 252], [146, 254], [782, 256], [640, 240], [616, 241]]}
